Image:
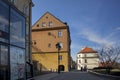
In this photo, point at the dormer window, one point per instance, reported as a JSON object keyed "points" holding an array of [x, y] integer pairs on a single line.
{"points": [[43, 24], [46, 17], [50, 24]]}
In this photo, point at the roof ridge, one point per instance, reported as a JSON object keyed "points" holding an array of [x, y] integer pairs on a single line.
{"points": [[88, 50]]}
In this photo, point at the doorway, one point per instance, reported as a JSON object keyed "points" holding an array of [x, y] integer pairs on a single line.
{"points": [[61, 67]]}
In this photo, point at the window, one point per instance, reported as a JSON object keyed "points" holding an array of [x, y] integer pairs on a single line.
{"points": [[4, 37], [85, 55], [50, 24], [37, 25], [79, 61], [17, 63], [59, 33], [4, 62], [4, 17], [60, 57], [85, 60], [17, 29], [49, 33], [34, 42], [4, 55], [49, 45], [46, 17], [4, 22], [43, 24]]}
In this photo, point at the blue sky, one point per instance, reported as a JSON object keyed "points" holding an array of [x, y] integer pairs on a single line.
{"points": [[92, 23]]}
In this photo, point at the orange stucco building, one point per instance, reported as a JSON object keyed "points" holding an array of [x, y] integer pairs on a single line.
{"points": [[46, 33]]}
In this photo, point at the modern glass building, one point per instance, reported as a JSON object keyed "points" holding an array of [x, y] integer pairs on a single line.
{"points": [[12, 42]]}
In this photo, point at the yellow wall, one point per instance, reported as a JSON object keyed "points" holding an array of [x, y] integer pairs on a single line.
{"points": [[42, 40], [49, 61], [45, 55]]}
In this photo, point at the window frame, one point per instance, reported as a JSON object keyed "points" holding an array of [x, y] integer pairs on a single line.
{"points": [[59, 33], [50, 24], [43, 24], [14, 37]]}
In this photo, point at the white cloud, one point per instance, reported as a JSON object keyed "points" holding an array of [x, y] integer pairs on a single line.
{"points": [[118, 28], [91, 35]]}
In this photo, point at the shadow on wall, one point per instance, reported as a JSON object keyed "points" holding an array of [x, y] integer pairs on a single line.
{"points": [[36, 49], [38, 66], [39, 69]]}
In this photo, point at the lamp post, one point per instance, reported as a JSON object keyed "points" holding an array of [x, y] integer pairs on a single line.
{"points": [[58, 46]]}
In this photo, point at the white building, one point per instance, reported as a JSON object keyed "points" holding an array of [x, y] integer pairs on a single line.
{"points": [[87, 58]]}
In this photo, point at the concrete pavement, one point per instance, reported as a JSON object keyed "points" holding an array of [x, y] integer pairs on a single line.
{"points": [[46, 76], [74, 75], [78, 76]]}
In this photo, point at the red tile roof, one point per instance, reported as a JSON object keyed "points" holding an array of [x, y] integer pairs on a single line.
{"points": [[88, 50]]}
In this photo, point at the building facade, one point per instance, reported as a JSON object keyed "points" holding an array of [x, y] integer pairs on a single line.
{"points": [[87, 58], [46, 33], [15, 22]]}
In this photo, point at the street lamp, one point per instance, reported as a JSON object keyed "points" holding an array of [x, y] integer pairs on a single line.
{"points": [[58, 46]]}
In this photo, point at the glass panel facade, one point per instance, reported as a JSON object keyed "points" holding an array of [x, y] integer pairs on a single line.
{"points": [[17, 63], [12, 43], [4, 22], [17, 29], [4, 62], [4, 17]]}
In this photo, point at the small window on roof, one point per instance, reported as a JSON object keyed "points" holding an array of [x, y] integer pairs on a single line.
{"points": [[46, 17], [37, 25], [43, 24], [50, 24]]}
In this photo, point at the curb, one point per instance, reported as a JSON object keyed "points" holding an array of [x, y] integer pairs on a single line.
{"points": [[105, 75]]}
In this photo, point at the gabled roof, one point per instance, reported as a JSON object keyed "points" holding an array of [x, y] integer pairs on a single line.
{"points": [[48, 13], [88, 50]]}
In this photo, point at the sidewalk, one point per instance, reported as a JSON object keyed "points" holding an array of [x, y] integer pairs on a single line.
{"points": [[46, 76]]}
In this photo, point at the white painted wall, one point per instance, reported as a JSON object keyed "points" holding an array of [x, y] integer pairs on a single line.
{"points": [[92, 60]]}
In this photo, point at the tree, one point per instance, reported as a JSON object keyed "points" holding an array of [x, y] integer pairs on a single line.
{"points": [[109, 56]]}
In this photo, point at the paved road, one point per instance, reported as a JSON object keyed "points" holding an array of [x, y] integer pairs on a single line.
{"points": [[78, 76]]}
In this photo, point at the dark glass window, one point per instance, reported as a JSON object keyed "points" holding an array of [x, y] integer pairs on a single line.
{"points": [[85, 60], [17, 29], [4, 22], [17, 63], [4, 17], [3, 62]]}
